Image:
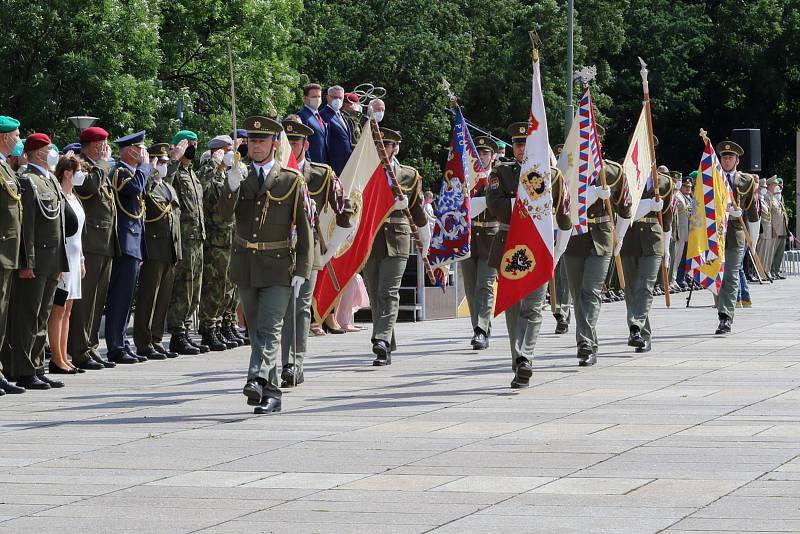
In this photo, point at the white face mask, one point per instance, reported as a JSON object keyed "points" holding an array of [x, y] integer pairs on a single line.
{"points": [[315, 103], [778, 190], [336, 104], [378, 116], [78, 178], [52, 159], [162, 170]]}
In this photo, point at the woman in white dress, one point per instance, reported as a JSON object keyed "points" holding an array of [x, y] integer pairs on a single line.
{"points": [[69, 173]]}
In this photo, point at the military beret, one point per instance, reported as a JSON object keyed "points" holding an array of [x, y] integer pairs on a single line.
{"points": [[501, 146], [184, 134], [729, 147], [95, 133], [391, 136], [486, 142], [780, 180], [134, 139], [260, 127], [8, 124], [240, 133], [518, 131], [693, 175], [297, 129], [159, 150], [220, 141], [19, 148], [773, 180], [35, 141], [75, 147], [352, 97]]}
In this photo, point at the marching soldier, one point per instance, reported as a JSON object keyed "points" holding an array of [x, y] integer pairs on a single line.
{"points": [[189, 271], [746, 209], [326, 192], [43, 260], [642, 253], [100, 247], [267, 265], [589, 255], [10, 231], [390, 250], [523, 319], [216, 249], [163, 243], [780, 225], [479, 276], [764, 245]]}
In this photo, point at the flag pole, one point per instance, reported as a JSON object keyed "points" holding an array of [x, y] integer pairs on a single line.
{"points": [[646, 89]]}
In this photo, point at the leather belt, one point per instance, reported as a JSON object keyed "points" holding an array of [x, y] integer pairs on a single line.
{"points": [[650, 220], [397, 220], [504, 226], [261, 245], [486, 224], [598, 220]]}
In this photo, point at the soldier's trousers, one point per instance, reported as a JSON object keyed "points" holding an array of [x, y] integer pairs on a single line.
{"points": [[186, 289], [121, 290], [229, 317], [84, 323], [479, 280], [31, 300], [524, 320], [295, 327], [264, 308], [6, 277], [384, 276], [215, 297], [563, 305], [676, 258], [777, 255], [586, 276], [640, 279], [726, 301], [152, 301], [764, 249]]}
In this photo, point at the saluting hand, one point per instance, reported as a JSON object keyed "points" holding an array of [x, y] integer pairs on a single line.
{"points": [[177, 151]]}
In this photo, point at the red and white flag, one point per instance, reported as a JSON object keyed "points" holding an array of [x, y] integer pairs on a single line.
{"points": [[527, 261]]}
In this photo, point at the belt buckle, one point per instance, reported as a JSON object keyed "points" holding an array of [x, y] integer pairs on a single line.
{"points": [[251, 246]]}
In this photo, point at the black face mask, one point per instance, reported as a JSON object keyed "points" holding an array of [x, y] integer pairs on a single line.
{"points": [[190, 152], [242, 150]]}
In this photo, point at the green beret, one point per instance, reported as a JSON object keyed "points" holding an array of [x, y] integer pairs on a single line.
{"points": [[693, 174], [184, 134], [8, 124]]}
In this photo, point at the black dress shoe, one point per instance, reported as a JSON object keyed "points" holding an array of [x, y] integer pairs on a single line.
{"points": [[562, 326], [55, 384], [179, 345], [32, 382], [90, 365], [524, 369], [254, 391], [103, 361], [139, 358], [202, 347], [381, 351], [168, 353], [121, 357], [268, 405], [151, 354], [586, 355], [54, 369], [589, 360], [210, 340], [725, 325], [645, 348], [635, 338], [291, 377], [520, 383], [479, 340], [10, 388]]}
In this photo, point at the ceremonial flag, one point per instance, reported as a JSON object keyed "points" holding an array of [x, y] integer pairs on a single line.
{"points": [[638, 162], [527, 260], [451, 233], [366, 186], [705, 251], [284, 154]]}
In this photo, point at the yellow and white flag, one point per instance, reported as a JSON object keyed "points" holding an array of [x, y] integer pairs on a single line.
{"points": [[638, 162]]}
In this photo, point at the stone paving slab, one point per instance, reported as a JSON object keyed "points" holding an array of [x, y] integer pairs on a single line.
{"points": [[699, 435]]}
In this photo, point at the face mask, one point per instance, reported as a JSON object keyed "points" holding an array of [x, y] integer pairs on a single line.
{"points": [[778, 189], [78, 178], [242, 150], [336, 104], [315, 102], [357, 108], [52, 159], [191, 150], [378, 116], [162, 170]]}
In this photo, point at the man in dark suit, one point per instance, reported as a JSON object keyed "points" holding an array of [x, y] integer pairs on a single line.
{"points": [[340, 136], [309, 114], [128, 180]]}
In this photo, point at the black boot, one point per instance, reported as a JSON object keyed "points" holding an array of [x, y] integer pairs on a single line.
{"points": [[229, 343], [209, 339], [635, 338], [179, 345], [228, 334], [202, 347]]}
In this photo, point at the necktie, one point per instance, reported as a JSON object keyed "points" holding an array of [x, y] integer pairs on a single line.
{"points": [[319, 118], [261, 177]]}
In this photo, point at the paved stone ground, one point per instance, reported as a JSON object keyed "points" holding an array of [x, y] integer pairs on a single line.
{"points": [[699, 435]]}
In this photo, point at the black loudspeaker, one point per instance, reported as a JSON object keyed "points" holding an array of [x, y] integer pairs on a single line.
{"points": [[750, 140]]}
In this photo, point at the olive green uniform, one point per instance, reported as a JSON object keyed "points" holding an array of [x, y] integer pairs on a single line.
{"points": [[588, 256], [189, 271], [100, 247], [387, 261], [44, 251], [780, 225], [524, 318], [764, 247], [641, 255], [162, 235], [10, 239], [326, 191], [479, 276], [264, 260]]}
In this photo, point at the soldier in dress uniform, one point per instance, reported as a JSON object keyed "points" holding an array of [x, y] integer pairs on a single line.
{"points": [[642, 252], [100, 247], [267, 265], [744, 189], [780, 229], [684, 208], [10, 231], [129, 179], [163, 243], [523, 319], [589, 255], [352, 112], [326, 192], [764, 245], [216, 248], [390, 250], [189, 271], [479, 276], [43, 260]]}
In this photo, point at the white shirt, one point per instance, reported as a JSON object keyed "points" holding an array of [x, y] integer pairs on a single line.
{"points": [[302, 164], [266, 166]]}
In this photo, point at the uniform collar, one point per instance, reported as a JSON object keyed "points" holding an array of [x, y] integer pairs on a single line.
{"points": [[42, 170], [130, 168], [266, 166]]}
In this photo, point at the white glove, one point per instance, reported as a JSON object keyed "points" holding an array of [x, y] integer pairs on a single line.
{"points": [[667, 240], [338, 237], [425, 238], [735, 212], [593, 193], [513, 201], [646, 205], [562, 240], [235, 177], [400, 204], [754, 228], [622, 227], [297, 282], [227, 159], [476, 206]]}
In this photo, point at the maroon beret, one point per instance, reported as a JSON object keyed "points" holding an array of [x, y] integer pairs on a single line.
{"points": [[352, 97], [95, 133], [36, 141]]}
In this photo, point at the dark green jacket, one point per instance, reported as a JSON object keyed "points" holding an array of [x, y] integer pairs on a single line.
{"points": [[326, 192], [43, 241], [484, 227], [190, 196], [395, 234], [645, 236], [97, 197], [10, 217], [162, 224], [744, 192], [218, 228]]}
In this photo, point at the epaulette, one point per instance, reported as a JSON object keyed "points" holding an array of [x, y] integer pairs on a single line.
{"points": [[322, 165], [505, 161]]}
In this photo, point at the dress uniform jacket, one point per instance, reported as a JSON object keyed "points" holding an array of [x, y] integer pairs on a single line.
{"points": [[97, 197], [683, 212], [263, 254], [11, 218], [484, 227], [765, 211], [744, 188], [326, 191], [129, 189], [645, 236], [394, 237], [780, 222], [43, 239], [162, 223]]}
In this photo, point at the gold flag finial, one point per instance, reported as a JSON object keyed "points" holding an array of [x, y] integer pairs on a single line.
{"points": [[704, 135], [536, 43]]}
